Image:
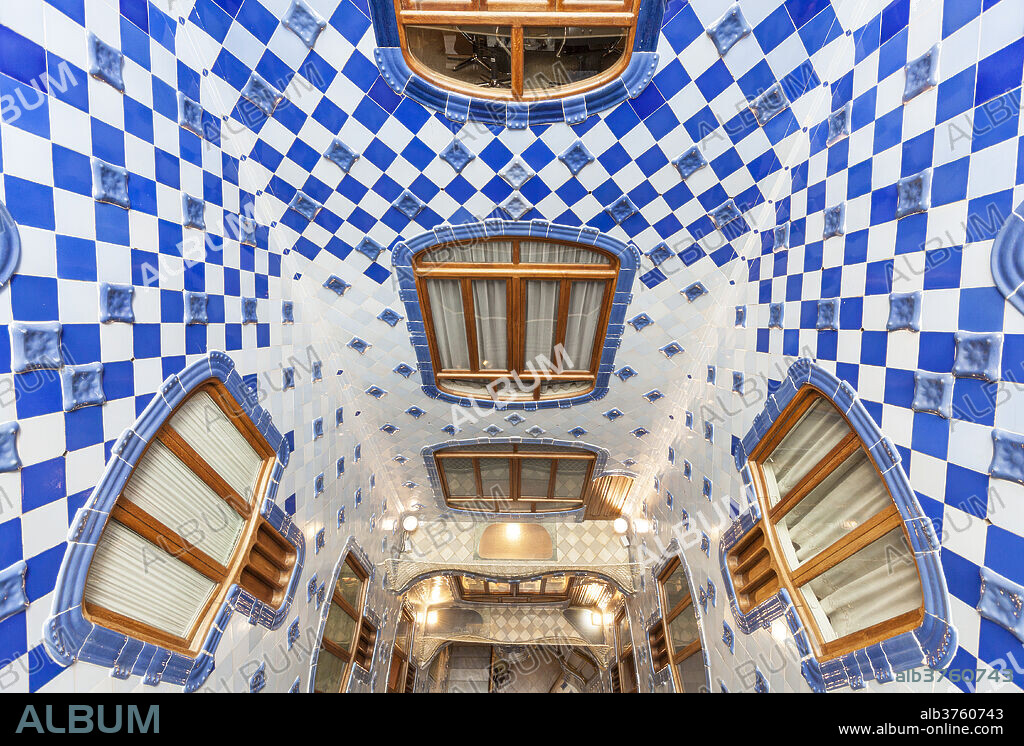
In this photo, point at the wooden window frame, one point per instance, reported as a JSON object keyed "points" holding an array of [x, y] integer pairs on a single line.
{"points": [[624, 661], [262, 560], [355, 653], [516, 15], [399, 680], [516, 275], [514, 595], [757, 563], [514, 457], [674, 655]]}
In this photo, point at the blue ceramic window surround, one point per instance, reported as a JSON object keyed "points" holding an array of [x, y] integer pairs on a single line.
{"points": [[401, 257], [1007, 264], [9, 459], [571, 109], [10, 245], [70, 637], [674, 552], [933, 643]]}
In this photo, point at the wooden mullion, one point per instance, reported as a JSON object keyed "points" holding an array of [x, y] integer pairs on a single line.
{"points": [[335, 649], [866, 533], [786, 421], [163, 537], [602, 326], [479, 479], [481, 271], [469, 319], [685, 652], [885, 629], [198, 465], [344, 604], [515, 478], [516, 52], [517, 323], [522, 18], [551, 479], [104, 617], [564, 288], [831, 461]]}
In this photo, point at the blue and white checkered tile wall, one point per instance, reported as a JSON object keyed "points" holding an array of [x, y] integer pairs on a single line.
{"points": [[829, 128]]}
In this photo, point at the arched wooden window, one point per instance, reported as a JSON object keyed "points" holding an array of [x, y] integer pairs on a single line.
{"points": [[402, 671], [831, 533], [515, 318], [527, 50], [349, 637], [675, 638], [623, 668], [187, 526]]}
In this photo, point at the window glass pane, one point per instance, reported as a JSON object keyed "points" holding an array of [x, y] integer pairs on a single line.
{"points": [[676, 589], [403, 631], [529, 586], [132, 577], [206, 428], [571, 476], [558, 56], [586, 299], [541, 322], [491, 323], [170, 492], [471, 55], [556, 585], [459, 474], [499, 588], [535, 476], [691, 673], [850, 495], [875, 584], [349, 585], [623, 633], [449, 323], [683, 629], [544, 252], [487, 252], [329, 672], [494, 477], [818, 432], [472, 585], [340, 627]]}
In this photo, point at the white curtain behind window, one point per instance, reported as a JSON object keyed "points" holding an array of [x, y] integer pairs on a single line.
{"points": [[585, 300], [542, 252], [817, 433], [132, 577], [491, 323], [449, 323], [541, 320], [490, 252]]}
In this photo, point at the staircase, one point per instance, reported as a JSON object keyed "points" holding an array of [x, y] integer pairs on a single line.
{"points": [[469, 669]]}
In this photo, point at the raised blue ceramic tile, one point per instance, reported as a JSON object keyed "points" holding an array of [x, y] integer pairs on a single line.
{"points": [[741, 316], [246, 231], [341, 512], [828, 313], [408, 204], [415, 412], [728, 29], [933, 392], [835, 221], [190, 114], [306, 206], [921, 74], [838, 125], [725, 213], [304, 21], [116, 303], [737, 382], [258, 680], [760, 682], [451, 430], [35, 346], [404, 370], [294, 630], [389, 317], [913, 193], [625, 373], [768, 104], [318, 371], [318, 428], [262, 94], [517, 173], [492, 430], [336, 284], [10, 245], [358, 345], [457, 155], [369, 248], [613, 414], [249, 311], [341, 155], [1007, 456], [516, 205], [577, 432], [775, 315], [376, 392], [321, 540], [689, 162], [640, 322], [194, 211], [978, 355], [575, 157], [339, 416], [653, 395], [1001, 601], [318, 485], [671, 349], [659, 254], [514, 419], [82, 385], [9, 458], [13, 599], [106, 63], [904, 311], [780, 235], [621, 208], [705, 546], [287, 312], [694, 291], [1007, 262], [536, 431], [288, 378], [110, 183]]}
